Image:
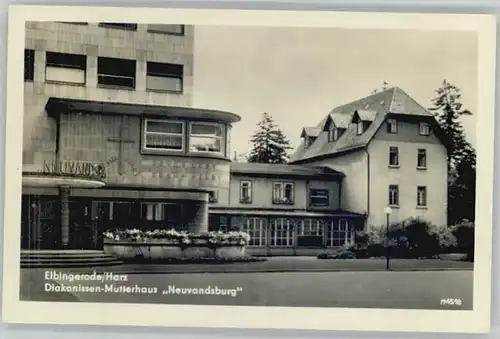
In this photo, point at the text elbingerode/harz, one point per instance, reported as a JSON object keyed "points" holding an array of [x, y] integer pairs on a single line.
{"points": [[70, 277]]}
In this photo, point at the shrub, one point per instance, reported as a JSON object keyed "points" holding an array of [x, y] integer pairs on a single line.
{"points": [[447, 240], [412, 238], [369, 243], [465, 235]]}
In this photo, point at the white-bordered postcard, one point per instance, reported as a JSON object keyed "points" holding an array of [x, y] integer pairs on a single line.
{"points": [[249, 169]]}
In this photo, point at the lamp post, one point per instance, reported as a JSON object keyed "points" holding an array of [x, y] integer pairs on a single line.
{"points": [[387, 212]]}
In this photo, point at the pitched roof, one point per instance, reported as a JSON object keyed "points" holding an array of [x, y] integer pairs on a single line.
{"points": [[310, 131], [366, 115], [373, 108], [282, 169]]}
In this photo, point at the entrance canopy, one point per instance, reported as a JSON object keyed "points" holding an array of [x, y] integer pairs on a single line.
{"points": [[36, 179]]}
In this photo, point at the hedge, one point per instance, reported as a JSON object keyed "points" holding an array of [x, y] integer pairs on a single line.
{"points": [[415, 238]]}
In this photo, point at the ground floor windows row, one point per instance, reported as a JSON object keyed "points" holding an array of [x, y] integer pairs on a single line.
{"points": [[286, 232], [42, 223]]}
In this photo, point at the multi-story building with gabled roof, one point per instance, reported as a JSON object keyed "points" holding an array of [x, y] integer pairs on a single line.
{"points": [[392, 152]]}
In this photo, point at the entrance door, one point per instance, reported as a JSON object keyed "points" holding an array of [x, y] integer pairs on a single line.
{"points": [[40, 223], [121, 214], [84, 232]]}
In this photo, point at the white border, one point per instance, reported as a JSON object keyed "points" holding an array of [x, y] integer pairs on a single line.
{"points": [[477, 320]]}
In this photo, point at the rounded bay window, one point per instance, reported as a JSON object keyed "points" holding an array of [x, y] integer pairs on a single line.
{"points": [[195, 133]]}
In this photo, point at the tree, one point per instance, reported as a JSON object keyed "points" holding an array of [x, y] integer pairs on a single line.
{"points": [[462, 188], [269, 144], [461, 155], [239, 157], [448, 110]]}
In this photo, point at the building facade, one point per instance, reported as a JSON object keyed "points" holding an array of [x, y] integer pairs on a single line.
{"points": [[110, 137], [286, 209], [392, 152], [111, 140]]}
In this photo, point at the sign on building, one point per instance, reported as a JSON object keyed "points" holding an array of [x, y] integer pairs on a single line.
{"points": [[75, 168]]}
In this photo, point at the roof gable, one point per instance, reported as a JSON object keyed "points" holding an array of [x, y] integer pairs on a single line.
{"points": [[342, 120], [402, 103], [328, 124], [310, 132], [366, 115]]}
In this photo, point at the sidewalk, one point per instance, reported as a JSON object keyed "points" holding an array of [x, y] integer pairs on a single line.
{"points": [[290, 264]]}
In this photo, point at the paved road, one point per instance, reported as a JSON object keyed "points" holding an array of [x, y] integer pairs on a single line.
{"points": [[413, 290], [289, 264]]}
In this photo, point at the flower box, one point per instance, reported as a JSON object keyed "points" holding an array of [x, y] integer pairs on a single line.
{"points": [[167, 244]]}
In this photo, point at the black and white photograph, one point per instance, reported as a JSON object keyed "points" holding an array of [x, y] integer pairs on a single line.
{"points": [[255, 167]]}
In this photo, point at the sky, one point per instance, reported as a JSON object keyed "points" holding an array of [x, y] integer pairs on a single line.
{"points": [[298, 75]]}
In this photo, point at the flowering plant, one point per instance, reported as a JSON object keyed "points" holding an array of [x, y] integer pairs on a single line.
{"points": [[218, 238]]}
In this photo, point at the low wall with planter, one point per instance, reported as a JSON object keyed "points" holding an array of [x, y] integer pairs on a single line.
{"points": [[170, 244]]}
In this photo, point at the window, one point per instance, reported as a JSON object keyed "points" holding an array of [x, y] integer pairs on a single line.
{"points": [[392, 126], [421, 158], [393, 195], [102, 210], [255, 227], [116, 72], [170, 213], [163, 135], [228, 141], [29, 64], [206, 137], [340, 233], [164, 77], [312, 227], [213, 197], [393, 156], [424, 128], [281, 232], [116, 25], [167, 29], [174, 215], [283, 193], [360, 127], [421, 196], [218, 223], [333, 134], [65, 68], [308, 141], [245, 192], [319, 197], [151, 211]]}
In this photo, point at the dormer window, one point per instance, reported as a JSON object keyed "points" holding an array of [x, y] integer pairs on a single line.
{"points": [[392, 126], [308, 141], [425, 128], [333, 134], [360, 127], [309, 134]]}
